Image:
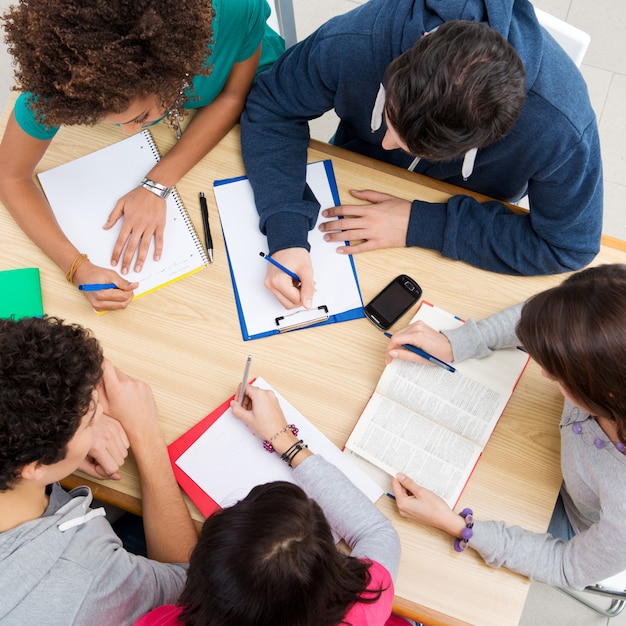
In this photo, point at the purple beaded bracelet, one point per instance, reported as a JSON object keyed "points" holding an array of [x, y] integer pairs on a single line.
{"points": [[468, 533], [267, 444]]}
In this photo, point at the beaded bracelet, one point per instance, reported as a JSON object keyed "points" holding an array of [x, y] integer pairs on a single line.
{"points": [[267, 443], [292, 452], [76, 263], [467, 533]]}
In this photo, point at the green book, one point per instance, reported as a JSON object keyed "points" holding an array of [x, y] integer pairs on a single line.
{"points": [[21, 293]]}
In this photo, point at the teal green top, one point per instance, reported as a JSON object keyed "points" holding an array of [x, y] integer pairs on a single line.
{"points": [[239, 27]]}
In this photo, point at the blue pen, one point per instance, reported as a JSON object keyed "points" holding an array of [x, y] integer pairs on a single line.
{"points": [[429, 357], [97, 286], [293, 275]]}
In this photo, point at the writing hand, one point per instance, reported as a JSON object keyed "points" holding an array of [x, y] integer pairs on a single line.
{"points": [[108, 451], [382, 224], [144, 217], [421, 505], [105, 299], [282, 285], [422, 336], [260, 412]]}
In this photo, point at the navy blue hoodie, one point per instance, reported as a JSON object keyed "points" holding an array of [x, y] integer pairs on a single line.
{"points": [[552, 151]]}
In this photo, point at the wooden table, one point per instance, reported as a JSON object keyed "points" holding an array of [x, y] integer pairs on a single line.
{"points": [[185, 340]]}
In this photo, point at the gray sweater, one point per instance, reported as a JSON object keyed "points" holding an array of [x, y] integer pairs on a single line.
{"points": [[69, 567], [350, 514], [594, 483]]}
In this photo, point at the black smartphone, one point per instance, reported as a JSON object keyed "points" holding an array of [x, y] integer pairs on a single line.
{"points": [[393, 301]]}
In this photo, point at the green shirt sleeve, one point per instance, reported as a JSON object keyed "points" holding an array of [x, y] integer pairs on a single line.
{"points": [[27, 121]]}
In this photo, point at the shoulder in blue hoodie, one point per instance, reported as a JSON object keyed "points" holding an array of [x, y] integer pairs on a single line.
{"points": [[552, 151]]}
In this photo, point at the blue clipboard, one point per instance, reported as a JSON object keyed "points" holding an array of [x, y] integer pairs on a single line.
{"points": [[286, 321]]}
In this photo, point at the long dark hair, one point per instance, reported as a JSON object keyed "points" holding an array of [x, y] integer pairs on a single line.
{"points": [[270, 560], [577, 334]]}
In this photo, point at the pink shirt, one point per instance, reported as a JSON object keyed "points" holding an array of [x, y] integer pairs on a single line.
{"points": [[375, 614]]}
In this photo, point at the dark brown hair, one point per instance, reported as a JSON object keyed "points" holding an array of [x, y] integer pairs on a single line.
{"points": [[270, 560], [82, 59], [460, 87], [577, 333]]}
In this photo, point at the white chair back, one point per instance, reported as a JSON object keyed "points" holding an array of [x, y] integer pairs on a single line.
{"points": [[573, 40]]}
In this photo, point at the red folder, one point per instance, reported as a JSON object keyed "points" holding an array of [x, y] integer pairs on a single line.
{"points": [[199, 497]]}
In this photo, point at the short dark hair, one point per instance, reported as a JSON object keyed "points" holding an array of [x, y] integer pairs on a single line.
{"points": [[460, 87], [577, 333], [48, 371], [82, 59], [270, 560]]}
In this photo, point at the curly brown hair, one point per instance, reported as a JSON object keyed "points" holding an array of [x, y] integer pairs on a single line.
{"points": [[48, 371], [82, 59]]}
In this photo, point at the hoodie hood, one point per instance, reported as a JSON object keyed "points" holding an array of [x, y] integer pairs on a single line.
{"points": [[413, 18], [29, 551]]}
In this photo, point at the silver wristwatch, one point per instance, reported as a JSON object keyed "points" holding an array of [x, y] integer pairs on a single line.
{"points": [[156, 188]]}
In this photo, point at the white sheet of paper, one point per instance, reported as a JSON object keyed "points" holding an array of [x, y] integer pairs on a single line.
{"points": [[336, 283], [228, 460]]}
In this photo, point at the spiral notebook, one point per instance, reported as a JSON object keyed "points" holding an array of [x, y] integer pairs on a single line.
{"points": [[83, 192]]}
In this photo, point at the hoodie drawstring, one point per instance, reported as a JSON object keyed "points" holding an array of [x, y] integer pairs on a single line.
{"points": [[82, 519], [377, 112], [468, 163]]}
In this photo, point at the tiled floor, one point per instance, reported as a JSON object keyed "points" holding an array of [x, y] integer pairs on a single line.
{"points": [[604, 69]]}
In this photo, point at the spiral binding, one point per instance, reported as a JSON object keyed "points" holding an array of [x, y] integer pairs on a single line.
{"points": [[179, 203]]}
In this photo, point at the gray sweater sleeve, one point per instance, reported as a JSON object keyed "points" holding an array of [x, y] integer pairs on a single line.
{"points": [[350, 514], [479, 339]]}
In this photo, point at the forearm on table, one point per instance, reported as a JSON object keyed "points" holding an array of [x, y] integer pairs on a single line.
{"points": [[479, 339], [208, 127], [32, 213], [170, 533], [350, 513]]}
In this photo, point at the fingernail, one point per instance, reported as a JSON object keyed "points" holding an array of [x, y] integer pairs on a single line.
{"points": [[326, 237], [113, 263], [138, 267], [393, 354], [308, 303], [124, 270], [400, 476], [157, 257], [325, 212]]}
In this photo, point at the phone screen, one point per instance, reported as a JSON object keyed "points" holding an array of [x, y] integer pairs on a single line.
{"points": [[393, 301]]}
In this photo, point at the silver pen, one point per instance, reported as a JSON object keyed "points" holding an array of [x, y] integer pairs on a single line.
{"points": [[244, 382]]}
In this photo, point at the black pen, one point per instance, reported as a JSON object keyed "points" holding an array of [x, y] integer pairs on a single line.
{"points": [[207, 230]]}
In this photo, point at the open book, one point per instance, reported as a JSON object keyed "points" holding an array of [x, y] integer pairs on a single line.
{"points": [[337, 296], [431, 424], [83, 192], [220, 460]]}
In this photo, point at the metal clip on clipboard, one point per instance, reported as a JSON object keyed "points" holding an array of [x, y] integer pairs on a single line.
{"points": [[301, 319]]}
